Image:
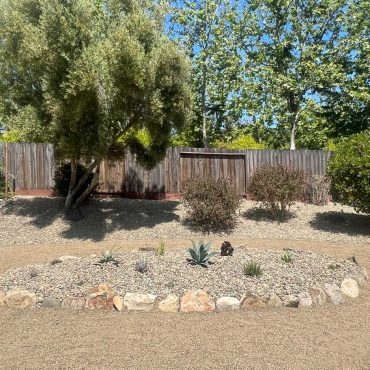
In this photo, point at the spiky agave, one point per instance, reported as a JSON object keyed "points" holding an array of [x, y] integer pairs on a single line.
{"points": [[200, 255]]}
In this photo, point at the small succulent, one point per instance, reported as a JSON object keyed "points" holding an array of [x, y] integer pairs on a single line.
{"points": [[226, 249], [287, 257], [161, 248], [141, 266], [252, 269], [201, 255], [108, 257]]}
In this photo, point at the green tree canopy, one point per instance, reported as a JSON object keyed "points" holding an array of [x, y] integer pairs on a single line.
{"points": [[94, 73]]}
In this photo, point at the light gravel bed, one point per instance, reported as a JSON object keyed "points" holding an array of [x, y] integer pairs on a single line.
{"points": [[28, 220], [172, 273]]}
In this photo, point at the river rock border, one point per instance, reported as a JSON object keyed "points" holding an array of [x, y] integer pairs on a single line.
{"points": [[102, 297]]}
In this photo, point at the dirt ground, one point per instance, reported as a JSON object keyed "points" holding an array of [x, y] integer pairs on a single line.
{"points": [[328, 337]]}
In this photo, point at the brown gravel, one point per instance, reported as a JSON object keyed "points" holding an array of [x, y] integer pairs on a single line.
{"points": [[27, 220]]}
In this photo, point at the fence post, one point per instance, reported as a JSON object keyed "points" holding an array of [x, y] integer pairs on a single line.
{"points": [[6, 170]]}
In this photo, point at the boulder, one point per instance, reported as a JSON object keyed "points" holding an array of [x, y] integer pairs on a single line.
{"points": [[20, 299], [139, 302], [274, 301], [253, 302], [197, 300], [334, 293], [170, 304], [74, 303], [349, 287], [305, 300], [100, 303], [51, 302], [318, 296], [291, 301], [102, 290], [118, 302], [227, 304]]}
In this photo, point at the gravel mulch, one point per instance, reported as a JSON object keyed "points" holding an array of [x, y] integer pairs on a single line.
{"points": [[171, 273], [28, 220]]}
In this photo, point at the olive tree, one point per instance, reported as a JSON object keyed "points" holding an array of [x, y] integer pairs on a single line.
{"points": [[93, 74]]}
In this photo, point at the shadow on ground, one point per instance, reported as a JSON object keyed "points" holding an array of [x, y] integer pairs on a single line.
{"points": [[260, 214], [341, 222], [99, 217]]}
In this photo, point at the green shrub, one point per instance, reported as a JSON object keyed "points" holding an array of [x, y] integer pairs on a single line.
{"points": [[62, 177], [252, 269], [161, 249], [201, 255], [349, 169], [277, 187], [212, 203], [317, 189], [287, 257]]}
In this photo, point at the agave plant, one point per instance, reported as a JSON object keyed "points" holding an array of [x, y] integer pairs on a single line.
{"points": [[252, 269], [108, 257], [201, 255]]}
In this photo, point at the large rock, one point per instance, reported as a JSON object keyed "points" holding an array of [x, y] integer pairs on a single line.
{"points": [[349, 287], [170, 304], [305, 300], [227, 304], [20, 299], [253, 302], [334, 293], [51, 302], [118, 302], [100, 303], [102, 290], [139, 302], [74, 303], [274, 301], [197, 300], [291, 301], [2, 299], [318, 296]]}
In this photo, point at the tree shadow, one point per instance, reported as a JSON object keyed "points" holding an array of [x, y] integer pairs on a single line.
{"points": [[342, 222], [100, 217], [260, 214]]}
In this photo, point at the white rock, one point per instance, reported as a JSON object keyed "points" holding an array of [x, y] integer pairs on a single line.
{"points": [[227, 303], [66, 258], [20, 299], [274, 301], [170, 304], [139, 302], [318, 296], [349, 287], [305, 300], [334, 293]]}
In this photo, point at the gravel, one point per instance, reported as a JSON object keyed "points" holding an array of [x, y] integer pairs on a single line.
{"points": [[172, 273], [31, 220]]}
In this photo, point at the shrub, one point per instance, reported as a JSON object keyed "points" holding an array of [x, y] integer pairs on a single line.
{"points": [[161, 249], [287, 257], [201, 255], [277, 187], [349, 169], [317, 189], [226, 249], [3, 185], [212, 203], [62, 177], [142, 266], [252, 269]]}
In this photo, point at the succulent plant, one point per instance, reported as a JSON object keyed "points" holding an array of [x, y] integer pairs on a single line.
{"points": [[108, 257], [141, 266], [201, 255], [226, 249], [287, 257], [252, 269]]}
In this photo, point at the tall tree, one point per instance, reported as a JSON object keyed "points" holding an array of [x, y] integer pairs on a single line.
{"points": [[294, 49], [95, 72]]}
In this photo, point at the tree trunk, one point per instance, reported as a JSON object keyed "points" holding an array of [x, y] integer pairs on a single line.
{"points": [[89, 189], [72, 182], [293, 129], [204, 112]]}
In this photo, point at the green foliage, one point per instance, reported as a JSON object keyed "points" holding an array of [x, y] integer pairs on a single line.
{"points": [[108, 257], [142, 266], [317, 189], [241, 142], [62, 178], [349, 169], [200, 255], [287, 257], [226, 249], [3, 185], [211, 203], [160, 251], [277, 187], [252, 269]]}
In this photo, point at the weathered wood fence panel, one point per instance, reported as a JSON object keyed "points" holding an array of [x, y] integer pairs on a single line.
{"points": [[32, 168]]}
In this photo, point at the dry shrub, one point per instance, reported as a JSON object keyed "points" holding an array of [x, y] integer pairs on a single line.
{"points": [[317, 189], [277, 187], [212, 203]]}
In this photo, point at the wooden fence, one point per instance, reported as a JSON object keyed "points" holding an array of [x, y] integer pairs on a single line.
{"points": [[32, 167]]}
